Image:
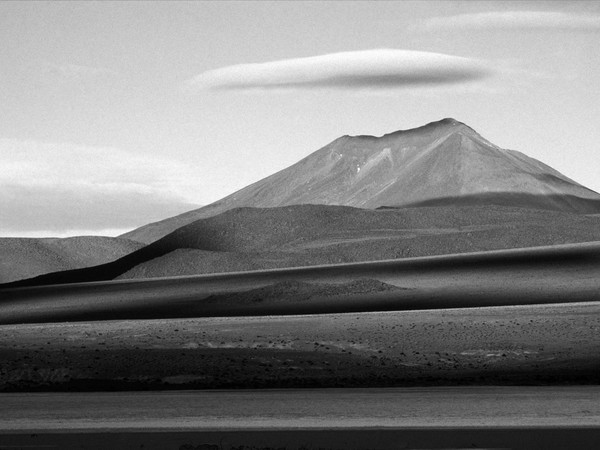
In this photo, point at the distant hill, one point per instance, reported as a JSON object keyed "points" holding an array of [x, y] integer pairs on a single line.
{"points": [[441, 163], [244, 239], [28, 257]]}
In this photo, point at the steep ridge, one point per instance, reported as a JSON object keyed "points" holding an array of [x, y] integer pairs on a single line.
{"points": [[445, 160], [28, 257], [245, 239]]}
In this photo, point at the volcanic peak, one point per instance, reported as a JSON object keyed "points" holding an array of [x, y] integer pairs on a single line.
{"points": [[443, 125], [443, 161]]}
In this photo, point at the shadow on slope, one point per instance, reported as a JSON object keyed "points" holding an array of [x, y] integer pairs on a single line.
{"points": [[303, 235], [22, 258], [566, 203], [558, 274]]}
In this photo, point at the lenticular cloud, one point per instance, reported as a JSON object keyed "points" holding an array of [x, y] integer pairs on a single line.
{"points": [[370, 69]]}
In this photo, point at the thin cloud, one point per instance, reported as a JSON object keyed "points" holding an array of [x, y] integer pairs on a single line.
{"points": [[61, 187], [63, 210], [530, 20], [367, 70]]}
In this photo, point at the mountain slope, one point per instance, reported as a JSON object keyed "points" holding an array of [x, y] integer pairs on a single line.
{"points": [[245, 239], [442, 160], [28, 257]]}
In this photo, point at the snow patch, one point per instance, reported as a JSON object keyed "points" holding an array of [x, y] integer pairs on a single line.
{"points": [[376, 160]]}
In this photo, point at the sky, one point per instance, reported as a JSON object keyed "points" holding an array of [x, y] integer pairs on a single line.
{"points": [[114, 115]]}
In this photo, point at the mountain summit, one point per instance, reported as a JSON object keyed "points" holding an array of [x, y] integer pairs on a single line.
{"points": [[438, 163]]}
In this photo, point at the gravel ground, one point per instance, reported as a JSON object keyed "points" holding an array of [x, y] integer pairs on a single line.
{"points": [[542, 344]]}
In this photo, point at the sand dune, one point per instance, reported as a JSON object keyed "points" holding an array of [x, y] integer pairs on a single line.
{"points": [[555, 274], [442, 160], [28, 257]]}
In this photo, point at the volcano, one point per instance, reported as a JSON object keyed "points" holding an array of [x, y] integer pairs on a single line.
{"points": [[441, 163]]}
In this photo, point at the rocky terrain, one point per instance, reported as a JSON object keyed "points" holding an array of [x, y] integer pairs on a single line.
{"points": [[541, 344]]}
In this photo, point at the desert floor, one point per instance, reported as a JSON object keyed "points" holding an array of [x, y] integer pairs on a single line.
{"points": [[527, 344]]}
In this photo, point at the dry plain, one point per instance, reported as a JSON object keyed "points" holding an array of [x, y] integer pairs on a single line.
{"points": [[514, 345]]}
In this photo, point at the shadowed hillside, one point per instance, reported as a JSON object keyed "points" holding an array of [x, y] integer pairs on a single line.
{"points": [[264, 238], [441, 162], [541, 275], [515, 199], [28, 257]]}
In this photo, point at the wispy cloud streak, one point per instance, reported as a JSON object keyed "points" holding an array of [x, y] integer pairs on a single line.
{"points": [[532, 20], [369, 69]]}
